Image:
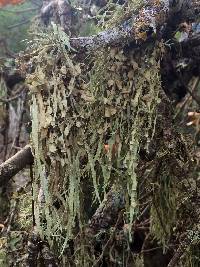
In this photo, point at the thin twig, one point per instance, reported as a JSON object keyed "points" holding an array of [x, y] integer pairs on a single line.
{"points": [[10, 99], [20, 11], [193, 95], [144, 243], [18, 24], [179, 253]]}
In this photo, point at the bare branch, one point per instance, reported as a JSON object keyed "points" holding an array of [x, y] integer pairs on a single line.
{"points": [[20, 11], [15, 164], [18, 24]]}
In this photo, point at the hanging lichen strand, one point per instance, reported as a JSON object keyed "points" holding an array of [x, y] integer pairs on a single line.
{"points": [[88, 122]]}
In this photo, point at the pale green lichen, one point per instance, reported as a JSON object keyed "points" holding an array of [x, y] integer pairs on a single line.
{"points": [[74, 114]]}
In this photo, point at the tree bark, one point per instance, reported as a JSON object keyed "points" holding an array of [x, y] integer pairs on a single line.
{"points": [[106, 215]]}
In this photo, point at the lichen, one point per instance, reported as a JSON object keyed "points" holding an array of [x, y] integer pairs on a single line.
{"points": [[90, 119], [75, 112]]}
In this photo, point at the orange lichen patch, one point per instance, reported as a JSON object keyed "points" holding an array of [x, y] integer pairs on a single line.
{"points": [[10, 2], [106, 148], [113, 149]]}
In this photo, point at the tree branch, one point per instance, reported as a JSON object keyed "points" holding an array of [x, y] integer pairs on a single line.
{"points": [[137, 29], [151, 19], [15, 164], [18, 24], [20, 11], [111, 37]]}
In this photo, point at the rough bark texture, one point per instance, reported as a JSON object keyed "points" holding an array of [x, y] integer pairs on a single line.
{"points": [[112, 37], [106, 215]]}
